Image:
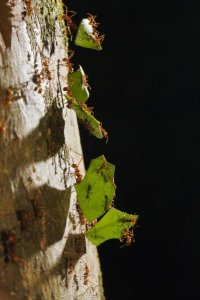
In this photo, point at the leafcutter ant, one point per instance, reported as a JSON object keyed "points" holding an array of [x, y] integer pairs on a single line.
{"points": [[38, 209], [85, 107], [85, 81], [103, 165], [69, 23], [25, 218], [39, 213], [29, 7], [86, 275], [38, 78], [47, 72], [81, 215], [92, 21], [91, 224], [9, 241], [2, 128], [128, 237], [9, 97], [67, 61], [98, 38], [77, 173], [104, 133], [70, 98]]}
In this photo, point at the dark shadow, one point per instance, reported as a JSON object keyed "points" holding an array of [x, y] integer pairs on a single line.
{"points": [[75, 247], [47, 139], [42, 143], [42, 221], [5, 23]]}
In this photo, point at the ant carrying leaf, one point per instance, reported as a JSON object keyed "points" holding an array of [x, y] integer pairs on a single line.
{"points": [[87, 35]]}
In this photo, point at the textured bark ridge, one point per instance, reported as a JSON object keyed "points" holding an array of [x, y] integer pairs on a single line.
{"points": [[43, 250]]}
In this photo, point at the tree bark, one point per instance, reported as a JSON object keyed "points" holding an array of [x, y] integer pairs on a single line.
{"points": [[43, 250]]}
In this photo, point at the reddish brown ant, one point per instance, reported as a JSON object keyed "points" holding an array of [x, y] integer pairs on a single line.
{"points": [[39, 213], [29, 7], [86, 275], [67, 61], [9, 97], [104, 133], [128, 237], [81, 215], [38, 209], [2, 128], [47, 72], [38, 78], [69, 23], [103, 165], [70, 98], [77, 173], [91, 224], [88, 109], [98, 38], [92, 20], [25, 218], [85, 81], [9, 241]]}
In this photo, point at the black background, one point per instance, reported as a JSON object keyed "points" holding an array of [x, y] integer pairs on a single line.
{"points": [[146, 91]]}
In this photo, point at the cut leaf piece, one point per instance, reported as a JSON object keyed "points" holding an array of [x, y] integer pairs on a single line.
{"points": [[78, 85], [97, 190], [112, 226], [88, 121], [87, 36]]}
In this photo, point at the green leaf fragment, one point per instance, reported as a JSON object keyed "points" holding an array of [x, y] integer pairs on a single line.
{"points": [[85, 36], [78, 85], [111, 226], [85, 117], [97, 190]]}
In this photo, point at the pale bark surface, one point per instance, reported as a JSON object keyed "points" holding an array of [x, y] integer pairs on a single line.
{"points": [[39, 140]]}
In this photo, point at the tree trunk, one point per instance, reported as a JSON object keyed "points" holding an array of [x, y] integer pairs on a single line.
{"points": [[44, 253]]}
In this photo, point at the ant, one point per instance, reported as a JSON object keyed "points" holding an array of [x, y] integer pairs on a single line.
{"points": [[46, 69], [88, 109], [38, 78], [9, 97], [67, 61], [85, 81], [37, 209], [39, 213], [104, 133], [29, 7], [103, 165], [9, 240], [70, 98], [98, 38], [81, 215], [85, 275], [91, 224], [69, 23], [87, 126], [2, 128], [92, 20], [128, 237], [77, 173], [24, 217]]}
